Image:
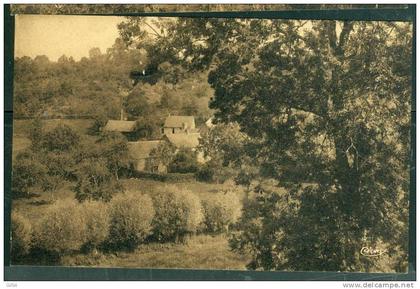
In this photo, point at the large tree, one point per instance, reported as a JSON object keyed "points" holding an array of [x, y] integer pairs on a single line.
{"points": [[330, 96]]}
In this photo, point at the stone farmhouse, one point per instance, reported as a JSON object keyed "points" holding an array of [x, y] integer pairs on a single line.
{"points": [[125, 127], [178, 131], [175, 124]]}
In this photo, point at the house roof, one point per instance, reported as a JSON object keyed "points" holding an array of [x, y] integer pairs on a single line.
{"points": [[120, 125], [180, 121], [142, 149], [187, 140]]}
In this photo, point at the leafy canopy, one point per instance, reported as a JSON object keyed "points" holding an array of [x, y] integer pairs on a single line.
{"points": [[331, 97]]}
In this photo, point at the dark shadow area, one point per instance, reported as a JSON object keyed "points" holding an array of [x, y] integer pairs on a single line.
{"points": [[21, 195]]}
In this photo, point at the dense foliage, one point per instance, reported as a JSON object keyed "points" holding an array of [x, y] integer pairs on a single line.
{"points": [[27, 173], [223, 148], [112, 147], [98, 86], [162, 154], [95, 182], [69, 88], [61, 154], [61, 138], [330, 99], [184, 161]]}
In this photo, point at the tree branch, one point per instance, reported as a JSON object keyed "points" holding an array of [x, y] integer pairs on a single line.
{"points": [[332, 37], [344, 36], [154, 30]]}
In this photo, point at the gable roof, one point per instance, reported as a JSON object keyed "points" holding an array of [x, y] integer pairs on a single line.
{"points": [[187, 140], [120, 125], [142, 149], [179, 120]]}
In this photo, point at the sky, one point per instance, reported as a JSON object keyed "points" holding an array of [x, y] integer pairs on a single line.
{"points": [[55, 35]]}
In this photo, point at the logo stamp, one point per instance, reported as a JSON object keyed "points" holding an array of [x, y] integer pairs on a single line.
{"points": [[371, 252]]}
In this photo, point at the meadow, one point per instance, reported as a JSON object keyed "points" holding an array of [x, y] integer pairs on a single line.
{"points": [[198, 252], [201, 250]]}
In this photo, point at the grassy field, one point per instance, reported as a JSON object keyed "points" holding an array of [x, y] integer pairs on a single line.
{"points": [[34, 206], [199, 188], [198, 252]]}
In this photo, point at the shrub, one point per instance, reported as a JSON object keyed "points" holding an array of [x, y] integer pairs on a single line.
{"points": [[36, 133], [178, 178], [21, 235], [95, 182], [177, 214], [99, 122], [212, 173], [223, 174], [163, 154], [221, 210], [27, 173], [148, 126], [184, 161], [96, 219], [50, 183], [60, 164], [114, 150], [131, 218], [61, 138], [205, 174], [61, 229]]}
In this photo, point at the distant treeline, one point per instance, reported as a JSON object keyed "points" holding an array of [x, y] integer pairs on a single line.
{"points": [[99, 86], [59, 116]]}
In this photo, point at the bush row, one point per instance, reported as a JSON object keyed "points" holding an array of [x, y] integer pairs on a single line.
{"points": [[125, 222]]}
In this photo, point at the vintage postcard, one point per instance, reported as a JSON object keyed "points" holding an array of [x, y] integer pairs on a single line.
{"points": [[211, 143]]}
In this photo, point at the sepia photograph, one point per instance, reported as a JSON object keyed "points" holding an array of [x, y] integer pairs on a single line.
{"points": [[211, 143]]}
